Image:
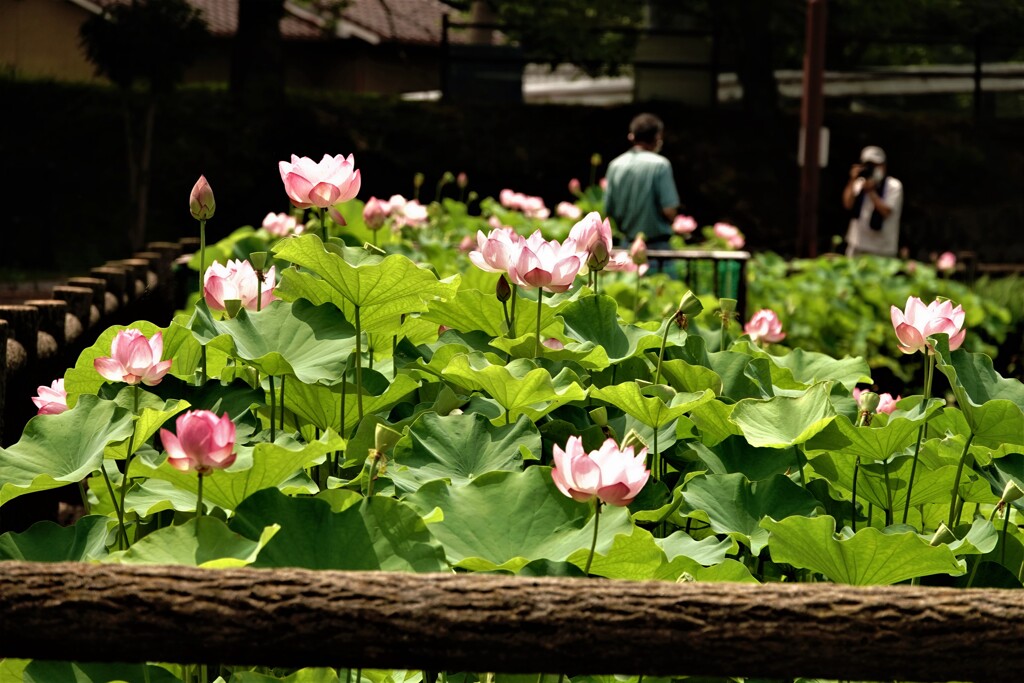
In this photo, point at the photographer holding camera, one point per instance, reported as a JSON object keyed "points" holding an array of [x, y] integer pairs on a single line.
{"points": [[875, 202]]}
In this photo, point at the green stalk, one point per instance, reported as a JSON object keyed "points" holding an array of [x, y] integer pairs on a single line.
{"points": [[323, 223], [202, 256], [359, 367], [888, 494], [956, 480], [593, 543], [540, 308], [661, 354], [512, 317], [636, 301], [273, 410], [283, 377], [597, 282], [929, 371], [128, 459], [199, 503], [85, 495], [1006, 523], [113, 501], [853, 498]]}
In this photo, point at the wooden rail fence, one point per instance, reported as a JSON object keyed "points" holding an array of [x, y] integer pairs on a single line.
{"points": [[490, 623]]}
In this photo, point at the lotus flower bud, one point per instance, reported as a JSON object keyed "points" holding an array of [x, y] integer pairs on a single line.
{"points": [[447, 177], [599, 256], [595, 159], [690, 305], [336, 216], [201, 202], [462, 180], [638, 250], [503, 291], [1011, 493], [868, 402], [417, 180], [574, 187], [374, 213]]}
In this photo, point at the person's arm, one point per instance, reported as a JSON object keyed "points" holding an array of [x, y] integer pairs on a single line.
{"points": [[667, 194], [849, 195], [882, 206]]}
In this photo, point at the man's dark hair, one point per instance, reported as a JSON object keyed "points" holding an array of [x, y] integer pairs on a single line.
{"points": [[646, 128]]}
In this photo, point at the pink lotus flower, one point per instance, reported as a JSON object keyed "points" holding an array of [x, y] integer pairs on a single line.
{"points": [[946, 262], [466, 244], [574, 187], [200, 202], [237, 280], [282, 225], [615, 476], [638, 250], [916, 322], [622, 262], [462, 180], [589, 231], [540, 263], [52, 400], [508, 198], [603, 183], [134, 358], [496, 250], [203, 442], [335, 215], [684, 225], [532, 207], [886, 403], [411, 213], [375, 213], [568, 210], [730, 234], [765, 326], [308, 183]]}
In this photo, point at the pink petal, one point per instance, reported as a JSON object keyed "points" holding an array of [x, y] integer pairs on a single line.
{"points": [[322, 195], [109, 369]]}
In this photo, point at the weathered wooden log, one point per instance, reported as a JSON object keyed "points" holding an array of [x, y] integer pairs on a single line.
{"points": [[100, 298], [52, 335], [79, 301], [116, 278], [467, 622], [138, 275], [22, 335], [3, 375]]}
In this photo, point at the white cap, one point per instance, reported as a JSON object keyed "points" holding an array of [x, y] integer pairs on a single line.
{"points": [[875, 155]]}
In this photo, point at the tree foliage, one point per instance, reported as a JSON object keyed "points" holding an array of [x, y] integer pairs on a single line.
{"points": [[149, 42]]}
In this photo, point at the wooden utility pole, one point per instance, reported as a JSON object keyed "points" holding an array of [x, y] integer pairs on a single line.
{"points": [[811, 115]]}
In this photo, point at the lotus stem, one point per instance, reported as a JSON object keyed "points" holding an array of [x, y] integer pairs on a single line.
{"points": [[273, 410], [661, 354], [283, 377], [1006, 523], [359, 367], [128, 461], [929, 372], [512, 317], [113, 501], [540, 308], [593, 542], [888, 494], [323, 223], [202, 256], [84, 494], [956, 480], [199, 503], [636, 301], [853, 498]]}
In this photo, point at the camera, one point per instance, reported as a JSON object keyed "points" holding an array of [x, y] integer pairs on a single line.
{"points": [[867, 170]]}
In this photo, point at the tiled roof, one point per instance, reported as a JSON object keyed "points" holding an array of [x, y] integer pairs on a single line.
{"points": [[402, 21]]}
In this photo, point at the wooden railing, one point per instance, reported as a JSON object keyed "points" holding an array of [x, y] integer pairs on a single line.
{"points": [[726, 274], [488, 623]]}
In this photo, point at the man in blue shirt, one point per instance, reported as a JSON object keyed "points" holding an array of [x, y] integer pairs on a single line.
{"points": [[641, 194]]}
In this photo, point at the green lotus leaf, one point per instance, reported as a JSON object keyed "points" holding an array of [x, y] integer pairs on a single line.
{"points": [[595, 319], [841, 436], [379, 533], [784, 421], [150, 420], [811, 367], [199, 542], [981, 537], [49, 542], [270, 466], [41, 671], [734, 505], [992, 405], [645, 405], [382, 288], [683, 376], [930, 485], [322, 406], [742, 376], [867, 558], [507, 519], [184, 349], [459, 448], [56, 450], [586, 355], [83, 378], [472, 309], [520, 387], [713, 419], [708, 551], [310, 675], [734, 454], [309, 342], [635, 556]]}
